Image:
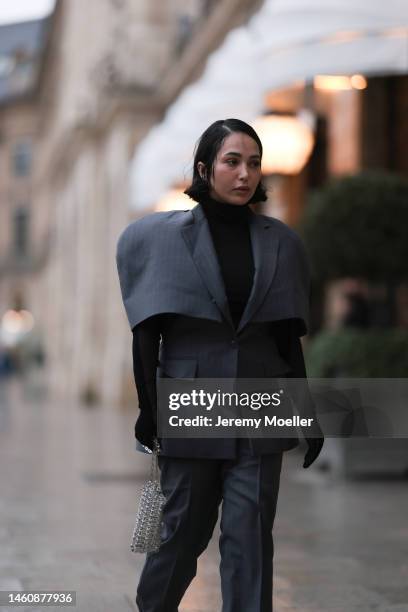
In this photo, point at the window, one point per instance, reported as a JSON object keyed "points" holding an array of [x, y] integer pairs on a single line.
{"points": [[21, 235], [22, 158]]}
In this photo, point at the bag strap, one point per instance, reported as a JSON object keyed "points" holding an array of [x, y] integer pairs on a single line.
{"points": [[154, 467]]}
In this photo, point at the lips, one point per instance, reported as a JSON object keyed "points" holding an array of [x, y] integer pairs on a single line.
{"points": [[242, 189]]}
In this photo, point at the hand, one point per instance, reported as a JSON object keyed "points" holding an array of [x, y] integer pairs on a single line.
{"points": [[315, 446], [315, 443], [146, 429]]}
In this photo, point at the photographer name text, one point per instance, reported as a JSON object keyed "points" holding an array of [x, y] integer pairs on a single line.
{"points": [[266, 421]]}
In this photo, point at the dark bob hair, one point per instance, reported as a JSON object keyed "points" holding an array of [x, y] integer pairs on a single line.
{"points": [[206, 151]]}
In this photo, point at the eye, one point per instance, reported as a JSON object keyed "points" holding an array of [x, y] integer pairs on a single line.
{"points": [[231, 162], [255, 164]]}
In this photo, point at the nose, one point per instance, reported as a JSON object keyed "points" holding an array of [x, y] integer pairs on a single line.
{"points": [[243, 171]]}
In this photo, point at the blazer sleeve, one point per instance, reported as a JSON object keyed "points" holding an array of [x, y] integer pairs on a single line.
{"points": [[145, 350], [286, 334]]}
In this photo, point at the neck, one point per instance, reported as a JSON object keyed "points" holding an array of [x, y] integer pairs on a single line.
{"points": [[223, 211]]}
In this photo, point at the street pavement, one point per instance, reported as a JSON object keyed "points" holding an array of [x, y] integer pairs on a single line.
{"points": [[70, 478]]}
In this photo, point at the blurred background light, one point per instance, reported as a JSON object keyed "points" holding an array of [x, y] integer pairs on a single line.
{"points": [[339, 82], [15, 324], [287, 140], [174, 199]]}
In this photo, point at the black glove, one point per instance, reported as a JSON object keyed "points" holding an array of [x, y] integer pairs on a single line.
{"points": [[315, 446], [146, 428], [286, 334]]}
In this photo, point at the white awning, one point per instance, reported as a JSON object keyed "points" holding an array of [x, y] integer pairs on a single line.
{"points": [[285, 41]]}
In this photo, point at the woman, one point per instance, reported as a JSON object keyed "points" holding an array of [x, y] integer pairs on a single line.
{"points": [[227, 292]]}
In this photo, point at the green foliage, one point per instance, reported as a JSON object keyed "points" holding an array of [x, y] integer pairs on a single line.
{"points": [[358, 354], [357, 226]]}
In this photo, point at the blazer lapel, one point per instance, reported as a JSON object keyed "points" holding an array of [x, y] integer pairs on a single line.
{"points": [[265, 246], [198, 238]]}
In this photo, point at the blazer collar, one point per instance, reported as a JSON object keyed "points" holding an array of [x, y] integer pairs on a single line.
{"points": [[265, 246]]}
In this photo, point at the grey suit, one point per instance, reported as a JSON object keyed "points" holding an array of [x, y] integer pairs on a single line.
{"points": [[167, 264]]}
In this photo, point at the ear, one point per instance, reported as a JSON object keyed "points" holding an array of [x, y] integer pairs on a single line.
{"points": [[202, 170]]}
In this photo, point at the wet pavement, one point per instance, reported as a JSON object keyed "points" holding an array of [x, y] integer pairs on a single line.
{"points": [[70, 478]]}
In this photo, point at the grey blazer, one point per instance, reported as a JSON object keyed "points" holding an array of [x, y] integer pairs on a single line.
{"points": [[167, 264]]}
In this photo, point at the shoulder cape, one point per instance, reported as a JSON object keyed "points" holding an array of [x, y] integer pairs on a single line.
{"points": [[158, 273]]}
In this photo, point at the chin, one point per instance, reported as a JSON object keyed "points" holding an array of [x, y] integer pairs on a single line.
{"points": [[241, 200], [235, 198]]}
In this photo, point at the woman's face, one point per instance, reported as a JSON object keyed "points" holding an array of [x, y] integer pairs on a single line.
{"points": [[236, 170]]}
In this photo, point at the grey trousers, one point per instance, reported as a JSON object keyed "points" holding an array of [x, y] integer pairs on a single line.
{"points": [[194, 488]]}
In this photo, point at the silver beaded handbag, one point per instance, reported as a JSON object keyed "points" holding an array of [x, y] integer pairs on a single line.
{"points": [[146, 534]]}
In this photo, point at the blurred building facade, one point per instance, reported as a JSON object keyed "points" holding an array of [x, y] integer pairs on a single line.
{"points": [[92, 101], [22, 252], [334, 73], [72, 112]]}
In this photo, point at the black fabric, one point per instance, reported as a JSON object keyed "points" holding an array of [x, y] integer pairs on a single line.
{"points": [[229, 227], [289, 345], [290, 348], [230, 233], [145, 350], [166, 265]]}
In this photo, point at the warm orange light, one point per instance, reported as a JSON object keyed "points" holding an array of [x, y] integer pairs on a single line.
{"points": [[287, 143], [174, 199], [339, 82], [358, 81]]}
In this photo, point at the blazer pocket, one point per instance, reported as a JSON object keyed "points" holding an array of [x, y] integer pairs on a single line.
{"points": [[178, 368]]}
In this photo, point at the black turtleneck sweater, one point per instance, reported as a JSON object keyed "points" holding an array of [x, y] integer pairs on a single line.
{"points": [[229, 227]]}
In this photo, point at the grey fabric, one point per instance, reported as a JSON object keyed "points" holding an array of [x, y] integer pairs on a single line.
{"points": [[248, 486], [195, 348], [167, 263]]}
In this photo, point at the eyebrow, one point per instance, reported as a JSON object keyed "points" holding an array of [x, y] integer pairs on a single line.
{"points": [[235, 154]]}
